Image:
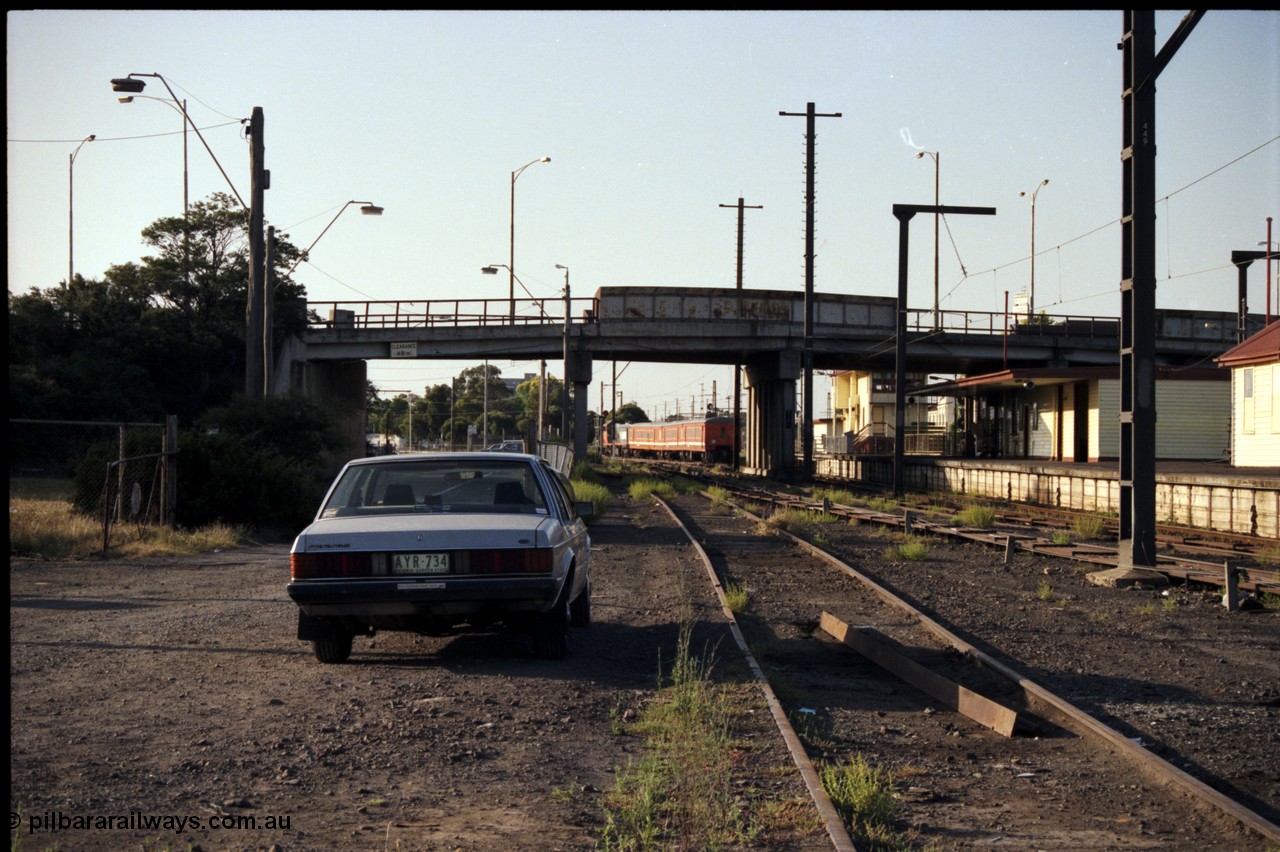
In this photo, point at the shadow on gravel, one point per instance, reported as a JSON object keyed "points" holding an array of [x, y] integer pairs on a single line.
{"points": [[613, 654]]}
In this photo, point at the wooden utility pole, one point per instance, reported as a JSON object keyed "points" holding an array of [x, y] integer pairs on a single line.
{"points": [[737, 368], [254, 312]]}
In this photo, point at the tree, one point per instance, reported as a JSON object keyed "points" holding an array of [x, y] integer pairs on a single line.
{"points": [[161, 336], [629, 412]]}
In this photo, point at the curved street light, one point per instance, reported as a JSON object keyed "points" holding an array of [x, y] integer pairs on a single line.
{"points": [[369, 209], [71, 194], [133, 87], [511, 259], [1031, 299], [936, 156], [492, 269]]}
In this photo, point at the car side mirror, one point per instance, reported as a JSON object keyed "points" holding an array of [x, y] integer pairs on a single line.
{"points": [[584, 508]]}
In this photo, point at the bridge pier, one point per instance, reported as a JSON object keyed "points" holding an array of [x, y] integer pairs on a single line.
{"points": [[340, 386], [578, 371], [770, 441]]}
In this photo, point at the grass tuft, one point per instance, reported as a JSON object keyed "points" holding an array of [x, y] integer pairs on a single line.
{"points": [[863, 794], [736, 597], [1089, 526], [982, 517], [596, 493], [911, 548]]}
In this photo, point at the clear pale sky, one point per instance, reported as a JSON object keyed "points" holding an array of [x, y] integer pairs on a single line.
{"points": [[652, 120]]}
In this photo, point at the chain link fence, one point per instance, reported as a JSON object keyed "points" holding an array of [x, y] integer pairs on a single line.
{"points": [[112, 471]]}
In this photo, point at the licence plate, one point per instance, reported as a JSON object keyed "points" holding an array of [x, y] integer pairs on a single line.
{"points": [[420, 563]]}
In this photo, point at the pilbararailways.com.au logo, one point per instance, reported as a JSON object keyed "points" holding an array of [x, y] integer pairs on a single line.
{"points": [[55, 821]]}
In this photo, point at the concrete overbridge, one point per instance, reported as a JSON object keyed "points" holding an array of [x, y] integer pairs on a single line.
{"points": [[762, 330]]}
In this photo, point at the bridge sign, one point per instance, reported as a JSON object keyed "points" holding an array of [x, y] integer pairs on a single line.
{"points": [[404, 350]]}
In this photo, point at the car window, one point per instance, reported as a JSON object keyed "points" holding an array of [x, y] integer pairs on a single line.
{"points": [[564, 493], [437, 485]]}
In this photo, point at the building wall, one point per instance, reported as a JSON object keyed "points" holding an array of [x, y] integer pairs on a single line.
{"points": [[1104, 419], [1255, 406], [1192, 419], [1041, 418]]}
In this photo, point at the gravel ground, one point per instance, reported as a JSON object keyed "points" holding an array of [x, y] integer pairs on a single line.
{"points": [[162, 691], [155, 691]]}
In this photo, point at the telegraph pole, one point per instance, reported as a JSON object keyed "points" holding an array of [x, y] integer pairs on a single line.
{"points": [[737, 368], [810, 137], [254, 312]]}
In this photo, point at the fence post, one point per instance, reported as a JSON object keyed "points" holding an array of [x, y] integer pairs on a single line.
{"points": [[169, 486], [1231, 598], [908, 521], [120, 473]]}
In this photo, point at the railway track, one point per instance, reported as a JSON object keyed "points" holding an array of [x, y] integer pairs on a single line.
{"points": [[1207, 557], [982, 753]]}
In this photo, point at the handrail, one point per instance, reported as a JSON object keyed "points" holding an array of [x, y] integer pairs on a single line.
{"points": [[420, 313]]}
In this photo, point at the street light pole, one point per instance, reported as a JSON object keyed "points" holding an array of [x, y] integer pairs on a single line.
{"points": [[132, 86], [936, 156], [492, 269], [511, 260], [71, 193], [1031, 299], [564, 388], [369, 209]]}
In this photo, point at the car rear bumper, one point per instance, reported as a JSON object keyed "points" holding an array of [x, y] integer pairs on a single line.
{"points": [[423, 595]]}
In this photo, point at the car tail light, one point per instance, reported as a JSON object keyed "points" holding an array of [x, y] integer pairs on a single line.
{"points": [[312, 566], [522, 561]]}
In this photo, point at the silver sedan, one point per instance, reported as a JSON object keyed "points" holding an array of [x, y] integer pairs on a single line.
{"points": [[431, 543]]}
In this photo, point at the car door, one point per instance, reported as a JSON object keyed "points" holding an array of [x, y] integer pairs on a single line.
{"points": [[574, 525]]}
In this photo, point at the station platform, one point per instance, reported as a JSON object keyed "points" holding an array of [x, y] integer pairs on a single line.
{"points": [[1202, 494]]}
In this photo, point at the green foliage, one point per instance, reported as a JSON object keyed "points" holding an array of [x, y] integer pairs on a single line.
{"points": [[593, 492], [256, 462], [586, 471], [1089, 526], [983, 517], [882, 504], [736, 597], [681, 794], [643, 487], [1044, 591], [161, 336], [718, 494], [912, 549], [629, 412], [1060, 538], [862, 793], [839, 496]]}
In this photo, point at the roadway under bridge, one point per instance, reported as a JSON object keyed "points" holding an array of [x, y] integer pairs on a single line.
{"points": [[761, 330]]}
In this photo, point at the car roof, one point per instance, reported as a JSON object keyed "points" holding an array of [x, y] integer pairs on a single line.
{"points": [[476, 456]]}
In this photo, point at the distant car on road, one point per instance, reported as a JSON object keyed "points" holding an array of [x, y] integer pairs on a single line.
{"points": [[430, 543], [506, 447]]}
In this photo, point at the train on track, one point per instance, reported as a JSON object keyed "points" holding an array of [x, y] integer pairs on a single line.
{"points": [[703, 439]]}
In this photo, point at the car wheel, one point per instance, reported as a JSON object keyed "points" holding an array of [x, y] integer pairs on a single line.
{"points": [[551, 630], [580, 609], [336, 649]]}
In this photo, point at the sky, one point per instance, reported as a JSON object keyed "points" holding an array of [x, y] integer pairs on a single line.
{"points": [[653, 120]]}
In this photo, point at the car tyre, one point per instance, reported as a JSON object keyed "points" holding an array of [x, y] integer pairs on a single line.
{"points": [[580, 609], [551, 630], [336, 649]]}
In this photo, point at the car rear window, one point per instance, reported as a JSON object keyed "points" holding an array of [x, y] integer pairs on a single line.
{"points": [[437, 485]]}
